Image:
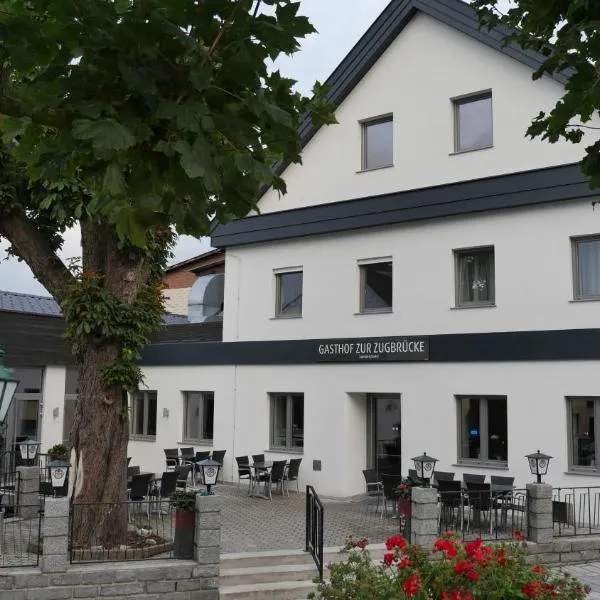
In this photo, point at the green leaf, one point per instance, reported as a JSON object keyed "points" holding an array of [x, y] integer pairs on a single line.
{"points": [[200, 76], [12, 127], [113, 183], [105, 134]]}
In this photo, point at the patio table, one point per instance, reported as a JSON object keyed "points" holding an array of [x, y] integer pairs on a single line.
{"points": [[256, 468]]}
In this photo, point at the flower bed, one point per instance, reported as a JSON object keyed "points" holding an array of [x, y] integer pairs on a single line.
{"points": [[458, 571]]}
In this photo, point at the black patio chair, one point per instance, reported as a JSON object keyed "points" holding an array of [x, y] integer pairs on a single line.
{"points": [[219, 456], [443, 476], [139, 491], [451, 505], [498, 480], [471, 478], [390, 482], [292, 473], [172, 458], [183, 472], [258, 458], [244, 471], [168, 485], [275, 476], [480, 502], [187, 456]]}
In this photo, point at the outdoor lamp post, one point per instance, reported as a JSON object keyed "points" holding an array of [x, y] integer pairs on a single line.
{"points": [[59, 469], [28, 449], [210, 471], [538, 464], [424, 466]]}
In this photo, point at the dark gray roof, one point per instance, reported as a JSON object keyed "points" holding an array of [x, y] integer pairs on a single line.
{"points": [[44, 305]]}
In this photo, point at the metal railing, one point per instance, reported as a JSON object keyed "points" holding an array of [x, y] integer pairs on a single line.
{"points": [[314, 528], [489, 516], [576, 511], [126, 531], [20, 536]]}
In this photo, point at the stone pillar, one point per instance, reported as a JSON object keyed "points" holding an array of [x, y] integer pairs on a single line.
{"points": [[424, 519], [539, 513], [55, 532], [28, 499], [207, 542]]}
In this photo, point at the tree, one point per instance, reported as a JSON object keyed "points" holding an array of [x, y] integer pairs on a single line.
{"points": [[567, 34], [134, 119]]}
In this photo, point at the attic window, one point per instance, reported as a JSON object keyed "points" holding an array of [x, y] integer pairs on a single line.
{"points": [[473, 122], [377, 143]]}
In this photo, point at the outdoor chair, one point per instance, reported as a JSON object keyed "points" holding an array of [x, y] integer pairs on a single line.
{"points": [[479, 501], [172, 458], [131, 471], [183, 472], [451, 514], [244, 471], [374, 485], [219, 456], [258, 458], [200, 456], [498, 480], [168, 485], [139, 490], [187, 456], [471, 478], [275, 476], [390, 482], [443, 476], [292, 472]]}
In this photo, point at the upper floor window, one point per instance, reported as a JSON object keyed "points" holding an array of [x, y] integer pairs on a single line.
{"points": [[586, 267], [475, 277], [473, 122], [287, 421], [376, 286], [143, 414], [377, 143], [288, 301], [483, 429], [198, 416]]}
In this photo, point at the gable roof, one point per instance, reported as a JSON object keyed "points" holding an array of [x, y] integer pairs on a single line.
{"points": [[47, 306]]}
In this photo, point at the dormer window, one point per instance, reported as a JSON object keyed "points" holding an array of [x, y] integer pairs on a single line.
{"points": [[377, 143]]}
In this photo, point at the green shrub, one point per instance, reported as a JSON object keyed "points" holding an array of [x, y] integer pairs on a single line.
{"points": [[58, 450], [464, 571]]}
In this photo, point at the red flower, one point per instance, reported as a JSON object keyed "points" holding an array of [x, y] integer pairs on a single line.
{"points": [[404, 562], [362, 543], [501, 556], [445, 546], [539, 569], [467, 569], [412, 585], [532, 588], [388, 558], [461, 595], [518, 535], [396, 541]]}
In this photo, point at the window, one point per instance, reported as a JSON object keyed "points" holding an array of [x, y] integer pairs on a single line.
{"points": [[586, 267], [482, 429], [473, 122], [287, 421], [475, 277], [143, 414], [582, 432], [376, 287], [288, 302], [71, 395], [198, 416], [377, 143]]}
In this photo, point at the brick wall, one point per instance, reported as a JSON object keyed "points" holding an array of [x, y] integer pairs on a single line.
{"points": [[171, 579]]}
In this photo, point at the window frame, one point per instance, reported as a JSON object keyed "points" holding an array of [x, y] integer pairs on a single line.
{"points": [[483, 429], [577, 295], [278, 275], [362, 266], [289, 447], [458, 253], [364, 124], [200, 441], [142, 436], [573, 468], [457, 102]]}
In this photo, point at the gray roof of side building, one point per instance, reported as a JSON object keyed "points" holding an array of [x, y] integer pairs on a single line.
{"points": [[47, 306]]}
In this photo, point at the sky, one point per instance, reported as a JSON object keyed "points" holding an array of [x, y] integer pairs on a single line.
{"points": [[340, 23]]}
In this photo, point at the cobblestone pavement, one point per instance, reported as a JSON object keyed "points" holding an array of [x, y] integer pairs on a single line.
{"points": [[587, 573], [255, 524]]}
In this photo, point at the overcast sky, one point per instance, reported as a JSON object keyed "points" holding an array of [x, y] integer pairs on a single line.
{"points": [[340, 24]]}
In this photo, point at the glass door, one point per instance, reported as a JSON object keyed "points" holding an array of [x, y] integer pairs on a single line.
{"points": [[384, 433]]}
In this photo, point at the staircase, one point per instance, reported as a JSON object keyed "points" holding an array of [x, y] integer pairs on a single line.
{"points": [[276, 575]]}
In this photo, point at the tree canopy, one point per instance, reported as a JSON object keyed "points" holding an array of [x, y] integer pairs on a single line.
{"points": [[567, 34]]}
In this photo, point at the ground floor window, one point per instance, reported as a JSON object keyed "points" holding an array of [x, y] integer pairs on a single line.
{"points": [[582, 431], [287, 421], [198, 416], [482, 429], [143, 414]]}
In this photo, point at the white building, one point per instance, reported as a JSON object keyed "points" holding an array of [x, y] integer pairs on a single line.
{"points": [[427, 284]]}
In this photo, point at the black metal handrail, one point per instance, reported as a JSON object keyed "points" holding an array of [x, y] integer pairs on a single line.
{"points": [[314, 528]]}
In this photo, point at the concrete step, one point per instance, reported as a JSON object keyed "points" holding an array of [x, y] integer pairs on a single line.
{"points": [[267, 574], [281, 590]]}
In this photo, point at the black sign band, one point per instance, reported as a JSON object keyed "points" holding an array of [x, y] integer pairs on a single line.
{"points": [[373, 349]]}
